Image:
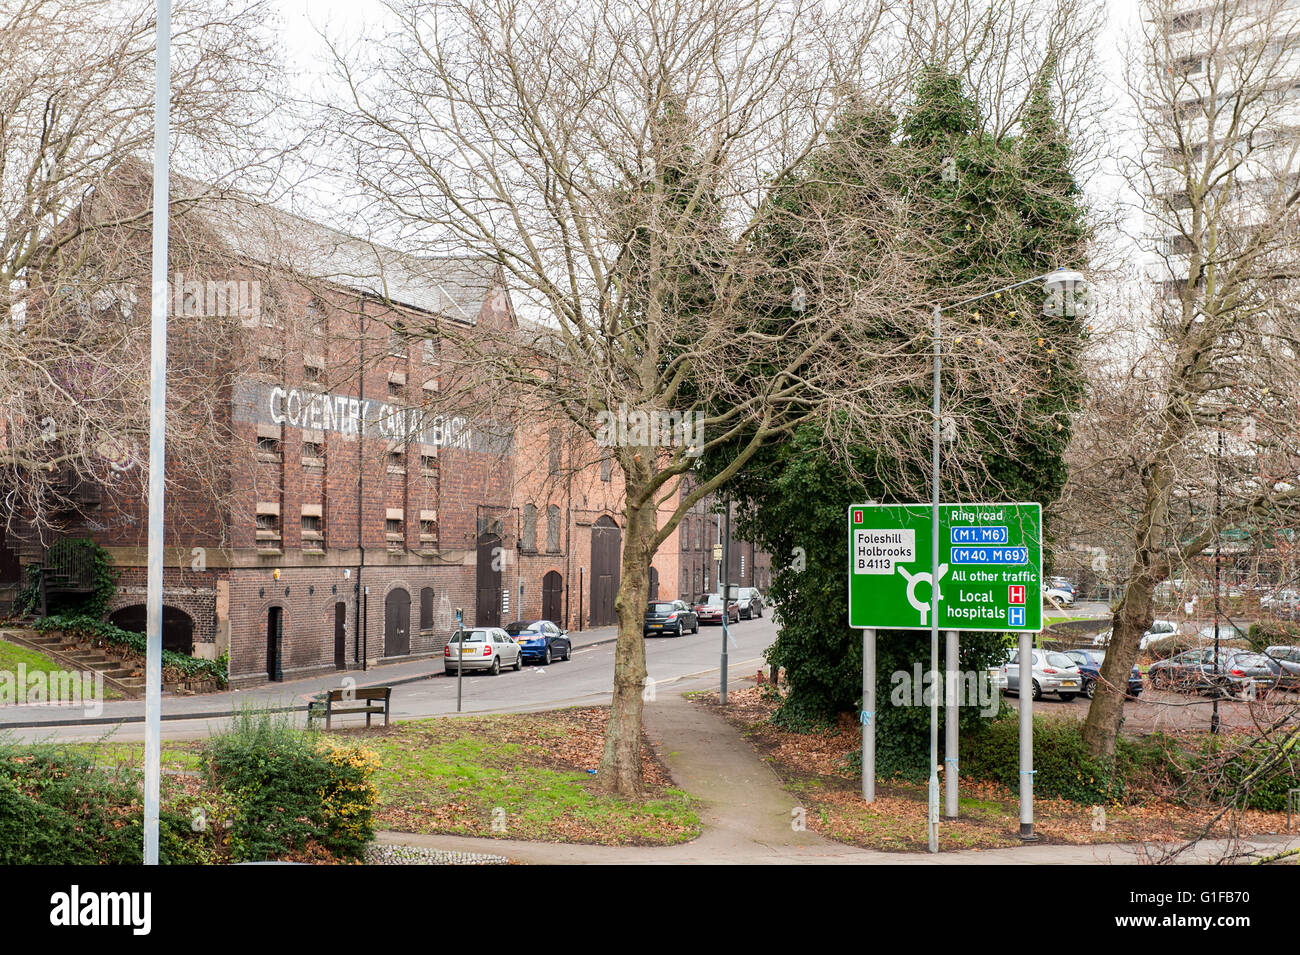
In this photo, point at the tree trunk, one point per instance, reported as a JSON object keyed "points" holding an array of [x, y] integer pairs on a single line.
{"points": [[1130, 621], [620, 765]]}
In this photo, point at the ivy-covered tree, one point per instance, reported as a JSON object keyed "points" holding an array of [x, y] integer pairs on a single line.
{"points": [[999, 210]]}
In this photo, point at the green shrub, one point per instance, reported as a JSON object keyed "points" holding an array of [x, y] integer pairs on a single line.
{"points": [[1251, 774], [1271, 633], [1062, 768], [58, 808], [291, 787]]}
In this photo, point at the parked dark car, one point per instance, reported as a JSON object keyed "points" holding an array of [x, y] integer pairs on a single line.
{"points": [[1089, 663], [708, 608], [541, 641], [1195, 670], [672, 617], [750, 602]]}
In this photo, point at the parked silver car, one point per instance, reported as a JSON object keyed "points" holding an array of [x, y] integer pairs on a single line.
{"points": [[1051, 673], [484, 648]]}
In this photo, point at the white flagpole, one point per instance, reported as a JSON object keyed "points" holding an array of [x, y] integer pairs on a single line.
{"points": [[157, 436]]}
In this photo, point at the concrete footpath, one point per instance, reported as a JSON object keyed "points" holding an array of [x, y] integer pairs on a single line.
{"points": [[747, 815]]}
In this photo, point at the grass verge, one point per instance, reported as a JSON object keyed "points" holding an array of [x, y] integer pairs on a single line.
{"points": [[522, 776]]}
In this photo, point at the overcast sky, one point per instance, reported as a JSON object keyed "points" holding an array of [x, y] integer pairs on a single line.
{"points": [[301, 21]]}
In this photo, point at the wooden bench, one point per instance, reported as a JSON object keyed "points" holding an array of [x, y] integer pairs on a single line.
{"points": [[364, 698]]}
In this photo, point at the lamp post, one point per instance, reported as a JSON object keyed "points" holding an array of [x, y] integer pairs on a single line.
{"points": [[1057, 281]]}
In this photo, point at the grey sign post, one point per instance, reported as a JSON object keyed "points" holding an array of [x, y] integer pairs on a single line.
{"points": [[1026, 740], [869, 714], [950, 680]]}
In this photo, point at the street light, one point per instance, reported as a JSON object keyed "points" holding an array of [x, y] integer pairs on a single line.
{"points": [[1054, 283]]}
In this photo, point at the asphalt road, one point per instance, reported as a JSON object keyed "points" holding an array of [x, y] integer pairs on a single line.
{"points": [[675, 663]]}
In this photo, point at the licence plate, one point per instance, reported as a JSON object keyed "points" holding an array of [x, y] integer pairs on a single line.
{"points": [[1069, 683], [656, 626], [521, 641]]}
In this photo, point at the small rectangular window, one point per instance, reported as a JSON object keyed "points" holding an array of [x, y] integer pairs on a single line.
{"points": [[312, 374], [268, 530], [428, 463], [313, 454], [268, 448], [396, 462], [397, 341], [312, 536], [393, 529]]}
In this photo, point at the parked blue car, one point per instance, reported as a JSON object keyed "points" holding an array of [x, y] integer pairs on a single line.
{"points": [[540, 641], [1089, 663]]}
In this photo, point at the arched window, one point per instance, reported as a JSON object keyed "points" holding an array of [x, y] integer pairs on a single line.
{"points": [[528, 532], [552, 529]]}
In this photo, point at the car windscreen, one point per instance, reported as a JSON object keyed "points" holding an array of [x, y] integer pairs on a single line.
{"points": [[519, 627], [1059, 660], [660, 608], [711, 600], [471, 636]]}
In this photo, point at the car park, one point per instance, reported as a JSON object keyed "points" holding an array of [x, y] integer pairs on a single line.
{"points": [[749, 602], [669, 618], [1051, 672], [1280, 603], [1195, 670], [1055, 595], [1089, 663], [482, 648], [1160, 629], [708, 608], [1062, 583], [541, 641]]}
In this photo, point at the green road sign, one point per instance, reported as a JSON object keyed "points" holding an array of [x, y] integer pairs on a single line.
{"points": [[990, 567]]}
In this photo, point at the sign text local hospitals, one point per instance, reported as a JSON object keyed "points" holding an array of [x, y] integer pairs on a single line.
{"points": [[990, 566]]}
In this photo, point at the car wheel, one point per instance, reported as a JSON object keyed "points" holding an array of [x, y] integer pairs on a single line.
{"points": [[1067, 697], [1089, 688], [496, 666], [519, 660], [568, 653], [546, 657], [1038, 692], [696, 628]]}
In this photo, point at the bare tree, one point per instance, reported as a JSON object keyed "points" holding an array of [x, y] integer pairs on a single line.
{"points": [[1193, 431], [76, 114], [628, 164]]}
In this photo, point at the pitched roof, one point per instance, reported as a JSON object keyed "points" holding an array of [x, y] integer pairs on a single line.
{"points": [[452, 286]]}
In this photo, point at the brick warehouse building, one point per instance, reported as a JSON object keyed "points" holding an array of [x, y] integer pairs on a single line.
{"points": [[343, 531]]}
